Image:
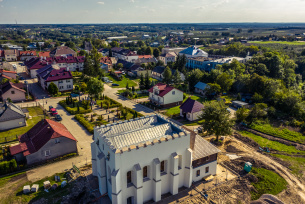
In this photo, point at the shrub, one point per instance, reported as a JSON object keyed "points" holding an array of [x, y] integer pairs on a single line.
{"points": [[72, 110], [8, 166], [85, 123]]}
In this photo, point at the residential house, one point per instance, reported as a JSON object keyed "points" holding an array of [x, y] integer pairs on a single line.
{"points": [[7, 66], [165, 96], [11, 116], [106, 64], [45, 141], [137, 71], [62, 78], [240, 104], [191, 109], [8, 74], [63, 51], [193, 51], [33, 65], [157, 73], [43, 54], [172, 49], [11, 55], [145, 158], [124, 54], [145, 59], [27, 55], [201, 88], [104, 51], [11, 91], [168, 57]]}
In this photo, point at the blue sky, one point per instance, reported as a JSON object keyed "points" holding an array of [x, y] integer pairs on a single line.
{"points": [[150, 11]]}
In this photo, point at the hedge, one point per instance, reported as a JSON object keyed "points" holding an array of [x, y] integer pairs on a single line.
{"points": [[8, 166], [71, 110], [85, 123], [112, 102]]}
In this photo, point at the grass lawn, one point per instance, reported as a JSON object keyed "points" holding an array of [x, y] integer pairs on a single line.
{"points": [[263, 142], [123, 82], [297, 164], [192, 123], [57, 193], [279, 132], [278, 42], [5, 180], [37, 115], [269, 182]]}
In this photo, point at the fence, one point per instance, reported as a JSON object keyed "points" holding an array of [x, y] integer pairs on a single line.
{"points": [[4, 140]]}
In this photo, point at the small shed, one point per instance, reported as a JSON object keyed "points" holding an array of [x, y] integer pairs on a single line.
{"points": [[240, 104], [47, 184], [35, 188], [200, 88]]}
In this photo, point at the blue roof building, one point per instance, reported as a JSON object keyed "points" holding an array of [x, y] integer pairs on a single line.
{"points": [[193, 51]]}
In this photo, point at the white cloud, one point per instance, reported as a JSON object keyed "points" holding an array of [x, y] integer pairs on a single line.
{"points": [[101, 2], [132, 1]]}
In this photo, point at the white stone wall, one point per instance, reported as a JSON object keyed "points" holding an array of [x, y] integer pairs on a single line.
{"points": [[62, 85], [172, 98], [212, 171]]}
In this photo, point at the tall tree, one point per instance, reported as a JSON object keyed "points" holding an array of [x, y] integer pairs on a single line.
{"points": [[147, 81], [167, 75], [216, 119], [142, 83], [177, 77], [52, 88], [156, 52], [95, 87]]}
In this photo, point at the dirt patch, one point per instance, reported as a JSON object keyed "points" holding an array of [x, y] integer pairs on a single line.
{"points": [[289, 196], [246, 140], [232, 149], [21, 176]]}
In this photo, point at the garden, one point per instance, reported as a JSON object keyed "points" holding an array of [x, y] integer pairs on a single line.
{"points": [[125, 79]]}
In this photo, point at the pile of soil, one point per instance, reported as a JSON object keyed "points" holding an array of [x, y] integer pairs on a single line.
{"points": [[232, 149], [246, 140]]}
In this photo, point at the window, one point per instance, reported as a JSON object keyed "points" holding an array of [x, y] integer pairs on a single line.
{"points": [[128, 177], [68, 81], [180, 162], [173, 92], [47, 153], [57, 140], [13, 92], [197, 173], [162, 166], [207, 169], [145, 172], [61, 87], [68, 86]]}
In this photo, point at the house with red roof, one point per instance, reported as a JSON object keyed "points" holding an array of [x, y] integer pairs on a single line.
{"points": [[145, 59], [46, 140], [191, 109], [165, 96], [27, 55], [12, 91], [44, 54], [8, 74], [62, 78]]}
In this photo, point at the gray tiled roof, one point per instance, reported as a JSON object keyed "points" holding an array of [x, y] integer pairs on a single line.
{"points": [[137, 131], [10, 112], [203, 148]]}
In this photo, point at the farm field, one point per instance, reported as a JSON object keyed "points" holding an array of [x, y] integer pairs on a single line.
{"points": [[278, 42]]}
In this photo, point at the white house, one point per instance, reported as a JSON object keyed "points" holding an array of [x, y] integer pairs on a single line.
{"points": [[191, 109], [62, 78], [144, 158], [164, 95], [168, 57]]}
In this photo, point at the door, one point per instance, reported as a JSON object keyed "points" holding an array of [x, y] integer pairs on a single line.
{"points": [[129, 200]]}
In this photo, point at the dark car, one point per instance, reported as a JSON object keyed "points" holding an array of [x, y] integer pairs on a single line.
{"points": [[21, 78], [50, 107], [115, 84], [58, 118]]}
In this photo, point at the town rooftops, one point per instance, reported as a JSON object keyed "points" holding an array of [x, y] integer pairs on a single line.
{"points": [[10, 111], [27, 53], [202, 59], [44, 54], [163, 89], [62, 50], [159, 69], [193, 51], [201, 86], [11, 52], [169, 54], [203, 148], [138, 132], [106, 60], [39, 135], [191, 106]]}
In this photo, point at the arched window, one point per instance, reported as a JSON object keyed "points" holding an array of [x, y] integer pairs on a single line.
{"points": [[128, 177]]}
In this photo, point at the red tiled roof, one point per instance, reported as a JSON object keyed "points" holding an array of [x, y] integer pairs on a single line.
{"points": [[60, 74], [164, 89], [106, 60], [80, 59], [6, 71], [27, 53], [39, 135], [44, 54], [145, 56], [62, 50]]}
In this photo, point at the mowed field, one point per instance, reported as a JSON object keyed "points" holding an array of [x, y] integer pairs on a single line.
{"points": [[278, 42]]}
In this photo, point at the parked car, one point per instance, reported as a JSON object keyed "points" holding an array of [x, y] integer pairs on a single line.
{"points": [[53, 111], [115, 84], [21, 78], [50, 107], [58, 117]]}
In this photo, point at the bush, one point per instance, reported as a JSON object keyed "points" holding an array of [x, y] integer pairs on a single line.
{"points": [[85, 123], [8, 166], [72, 110]]}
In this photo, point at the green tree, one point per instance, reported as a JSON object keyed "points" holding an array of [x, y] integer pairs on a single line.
{"points": [[142, 82], [167, 75], [257, 98], [213, 88], [120, 65], [83, 87], [95, 87], [156, 52], [225, 82], [147, 81], [114, 43], [259, 111], [216, 119], [52, 89], [177, 77], [241, 114], [148, 51]]}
